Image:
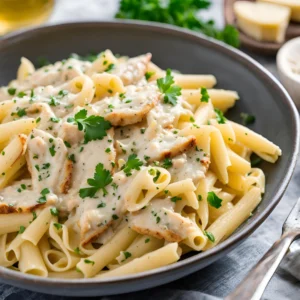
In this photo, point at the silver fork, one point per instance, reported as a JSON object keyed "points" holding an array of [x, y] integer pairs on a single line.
{"points": [[253, 286]]}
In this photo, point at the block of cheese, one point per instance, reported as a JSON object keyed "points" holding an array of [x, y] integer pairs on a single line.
{"points": [[294, 5], [262, 21]]}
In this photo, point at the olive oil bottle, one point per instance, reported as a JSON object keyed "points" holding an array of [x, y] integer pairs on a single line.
{"points": [[16, 14]]}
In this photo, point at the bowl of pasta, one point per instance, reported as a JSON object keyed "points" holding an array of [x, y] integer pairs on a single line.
{"points": [[135, 165]]}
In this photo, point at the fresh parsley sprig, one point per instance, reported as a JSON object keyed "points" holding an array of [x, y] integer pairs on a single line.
{"points": [[180, 13], [170, 91], [219, 116], [94, 127], [214, 200], [133, 163], [102, 178]]}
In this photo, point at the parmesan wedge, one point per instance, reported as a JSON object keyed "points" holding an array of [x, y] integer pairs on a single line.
{"points": [[262, 21], [294, 5]]}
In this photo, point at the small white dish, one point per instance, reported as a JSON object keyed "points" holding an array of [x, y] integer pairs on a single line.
{"points": [[288, 65]]}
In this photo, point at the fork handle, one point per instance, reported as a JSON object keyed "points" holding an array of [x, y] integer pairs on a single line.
{"points": [[253, 286]]}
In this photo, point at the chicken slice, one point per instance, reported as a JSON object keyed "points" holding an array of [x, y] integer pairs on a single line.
{"points": [[158, 219], [53, 74], [48, 162], [20, 197], [168, 116], [97, 214], [127, 108], [153, 143], [85, 158], [192, 164], [132, 70]]}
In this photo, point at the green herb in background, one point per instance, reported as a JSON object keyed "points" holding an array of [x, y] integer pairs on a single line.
{"points": [[182, 13]]}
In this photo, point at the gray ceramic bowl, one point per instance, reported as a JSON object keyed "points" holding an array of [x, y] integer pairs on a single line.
{"points": [[261, 95]]}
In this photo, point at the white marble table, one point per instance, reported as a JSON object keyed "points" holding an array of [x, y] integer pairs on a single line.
{"points": [[222, 277]]}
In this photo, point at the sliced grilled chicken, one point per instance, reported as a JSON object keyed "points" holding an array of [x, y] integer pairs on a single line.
{"points": [[153, 144], [132, 70], [192, 164], [168, 116], [20, 197], [48, 162], [158, 219], [127, 108], [97, 214]]}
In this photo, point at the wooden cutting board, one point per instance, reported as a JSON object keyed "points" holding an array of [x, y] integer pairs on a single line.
{"points": [[251, 44]]}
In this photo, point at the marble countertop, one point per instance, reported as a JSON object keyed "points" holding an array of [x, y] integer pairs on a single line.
{"points": [[220, 278]]}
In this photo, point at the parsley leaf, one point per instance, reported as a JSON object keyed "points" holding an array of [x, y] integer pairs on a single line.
{"points": [[204, 95], [219, 116], [102, 178], [11, 91], [175, 199], [58, 226], [22, 229], [87, 261], [148, 75], [255, 160], [21, 112], [54, 211], [133, 163], [210, 236], [167, 163], [126, 255], [247, 119], [214, 200], [94, 127], [171, 92]]}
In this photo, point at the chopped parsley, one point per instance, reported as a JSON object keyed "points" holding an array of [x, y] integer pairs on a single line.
{"points": [[87, 261], [67, 144], [94, 127], [54, 211], [126, 255], [148, 75], [219, 116], [72, 158], [58, 226], [115, 217], [43, 199], [102, 178], [102, 204], [147, 240], [12, 91], [199, 198], [210, 236], [21, 94], [170, 91], [109, 67], [255, 160], [247, 119], [54, 120], [175, 199], [53, 101], [156, 177], [133, 163], [157, 219], [204, 95], [52, 150], [143, 130], [21, 230], [63, 93], [77, 250], [167, 163], [21, 112], [214, 200]]}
